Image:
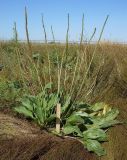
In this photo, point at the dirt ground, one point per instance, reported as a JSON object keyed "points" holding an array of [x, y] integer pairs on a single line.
{"points": [[19, 140]]}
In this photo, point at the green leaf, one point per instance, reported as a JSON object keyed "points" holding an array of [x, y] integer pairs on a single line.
{"points": [[69, 129], [95, 146], [27, 103], [24, 111], [95, 133], [112, 114], [48, 86], [75, 119], [82, 114], [45, 103], [109, 123], [106, 120], [66, 104], [40, 114], [51, 118], [80, 106], [36, 56], [30, 97], [98, 106], [52, 102]]}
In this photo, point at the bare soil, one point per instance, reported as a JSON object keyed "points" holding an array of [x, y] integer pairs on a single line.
{"points": [[19, 140]]}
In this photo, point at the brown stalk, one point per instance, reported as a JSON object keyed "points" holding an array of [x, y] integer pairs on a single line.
{"points": [[27, 32]]}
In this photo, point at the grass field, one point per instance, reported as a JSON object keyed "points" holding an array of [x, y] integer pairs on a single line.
{"points": [[89, 73], [98, 73]]}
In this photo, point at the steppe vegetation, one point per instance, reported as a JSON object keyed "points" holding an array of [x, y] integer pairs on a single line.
{"points": [[88, 81]]}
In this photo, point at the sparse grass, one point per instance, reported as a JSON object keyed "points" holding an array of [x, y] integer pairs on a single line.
{"points": [[109, 64]]}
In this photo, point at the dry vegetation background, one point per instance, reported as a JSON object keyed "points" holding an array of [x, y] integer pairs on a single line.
{"points": [[106, 81]]}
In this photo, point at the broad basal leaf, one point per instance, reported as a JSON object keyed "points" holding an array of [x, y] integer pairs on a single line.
{"points": [[107, 124], [24, 111], [66, 104], [98, 106], [44, 103], [40, 114], [27, 103], [82, 114], [52, 101], [95, 133], [95, 146], [82, 106], [106, 120], [75, 119], [69, 129], [112, 114]]}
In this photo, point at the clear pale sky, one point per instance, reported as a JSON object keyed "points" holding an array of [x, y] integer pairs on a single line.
{"points": [[55, 14]]}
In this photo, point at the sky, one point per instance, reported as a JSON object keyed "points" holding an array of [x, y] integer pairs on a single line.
{"points": [[55, 14]]}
